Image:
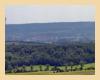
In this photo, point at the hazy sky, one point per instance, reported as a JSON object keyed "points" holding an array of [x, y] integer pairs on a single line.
{"points": [[42, 14]]}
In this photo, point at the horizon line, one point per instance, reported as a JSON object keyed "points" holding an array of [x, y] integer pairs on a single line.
{"points": [[49, 22]]}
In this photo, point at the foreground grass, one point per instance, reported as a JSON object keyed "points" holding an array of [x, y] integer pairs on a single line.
{"points": [[87, 72], [36, 67]]}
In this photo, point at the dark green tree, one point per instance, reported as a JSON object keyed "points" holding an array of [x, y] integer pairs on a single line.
{"points": [[82, 65], [23, 68], [71, 65], [32, 68], [66, 68], [47, 67], [40, 68], [10, 68]]}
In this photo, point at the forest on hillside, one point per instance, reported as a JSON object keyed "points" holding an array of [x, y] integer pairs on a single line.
{"points": [[53, 54]]}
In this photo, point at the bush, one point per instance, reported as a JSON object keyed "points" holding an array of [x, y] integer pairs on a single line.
{"points": [[57, 69]]}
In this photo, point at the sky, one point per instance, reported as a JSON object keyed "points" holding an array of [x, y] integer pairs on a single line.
{"points": [[51, 13]]}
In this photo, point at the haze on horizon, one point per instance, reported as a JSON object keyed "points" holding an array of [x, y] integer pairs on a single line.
{"points": [[46, 14]]}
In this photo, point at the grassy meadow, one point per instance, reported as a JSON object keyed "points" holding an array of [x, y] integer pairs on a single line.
{"points": [[88, 69]]}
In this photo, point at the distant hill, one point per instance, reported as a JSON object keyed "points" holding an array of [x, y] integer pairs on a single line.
{"points": [[51, 32]]}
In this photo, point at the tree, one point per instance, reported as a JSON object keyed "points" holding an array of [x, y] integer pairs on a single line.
{"points": [[55, 68], [66, 68], [10, 68], [32, 68], [47, 67], [23, 68], [81, 65], [71, 64], [40, 68], [16, 68]]}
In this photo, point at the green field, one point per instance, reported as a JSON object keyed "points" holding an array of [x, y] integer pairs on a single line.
{"points": [[88, 72], [85, 70]]}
